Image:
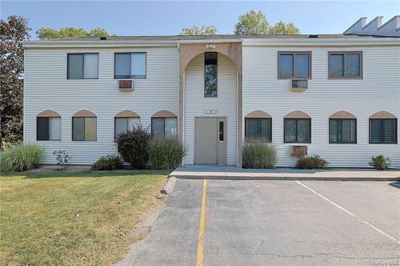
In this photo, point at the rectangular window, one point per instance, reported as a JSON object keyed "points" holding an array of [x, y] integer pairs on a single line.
{"points": [[342, 131], [210, 74], [123, 124], [164, 127], [130, 65], [82, 66], [48, 128], [294, 65], [84, 128], [297, 130], [345, 64], [383, 131], [258, 129]]}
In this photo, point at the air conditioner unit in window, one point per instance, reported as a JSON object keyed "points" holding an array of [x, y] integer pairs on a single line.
{"points": [[125, 85], [299, 85]]}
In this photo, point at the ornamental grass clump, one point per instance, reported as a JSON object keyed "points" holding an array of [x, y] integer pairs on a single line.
{"points": [[18, 158], [166, 153], [258, 154]]}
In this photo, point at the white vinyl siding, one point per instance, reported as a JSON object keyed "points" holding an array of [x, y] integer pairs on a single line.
{"points": [[46, 87], [378, 91]]}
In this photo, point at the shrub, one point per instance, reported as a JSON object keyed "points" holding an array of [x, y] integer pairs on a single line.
{"points": [[311, 162], [109, 162], [380, 162], [62, 158], [166, 153], [257, 154], [133, 146], [19, 158]]}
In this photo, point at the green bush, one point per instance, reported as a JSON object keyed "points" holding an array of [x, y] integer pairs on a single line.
{"points": [[258, 154], [311, 162], [19, 158], [109, 162], [166, 153], [380, 162], [133, 146]]}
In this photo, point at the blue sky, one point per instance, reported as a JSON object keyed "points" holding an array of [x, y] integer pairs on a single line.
{"points": [[168, 17]]}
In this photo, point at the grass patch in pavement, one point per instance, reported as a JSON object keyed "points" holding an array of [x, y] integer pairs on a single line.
{"points": [[73, 218]]}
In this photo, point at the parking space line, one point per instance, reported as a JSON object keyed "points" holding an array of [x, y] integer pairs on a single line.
{"points": [[200, 244], [350, 213]]}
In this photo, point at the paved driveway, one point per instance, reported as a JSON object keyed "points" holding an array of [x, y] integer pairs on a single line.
{"points": [[276, 223]]}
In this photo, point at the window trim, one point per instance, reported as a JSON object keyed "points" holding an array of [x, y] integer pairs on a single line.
{"points": [[130, 65], [296, 141], [83, 66], [293, 53], [382, 131], [270, 128], [164, 118], [342, 142], [360, 53], [48, 117], [84, 128], [115, 124]]}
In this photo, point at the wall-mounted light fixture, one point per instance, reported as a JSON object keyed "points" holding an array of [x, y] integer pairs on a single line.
{"points": [[211, 46]]}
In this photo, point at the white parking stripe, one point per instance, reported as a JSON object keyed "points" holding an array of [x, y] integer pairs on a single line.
{"points": [[350, 213]]}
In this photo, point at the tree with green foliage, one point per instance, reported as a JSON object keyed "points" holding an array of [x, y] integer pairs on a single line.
{"points": [[200, 30], [283, 28], [255, 23], [252, 23], [69, 32], [13, 32]]}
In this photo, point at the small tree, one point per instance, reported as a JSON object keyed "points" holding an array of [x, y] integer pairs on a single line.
{"points": [[283, 28], [252, 23], [199, 30], [133, 146], [69, 32]]}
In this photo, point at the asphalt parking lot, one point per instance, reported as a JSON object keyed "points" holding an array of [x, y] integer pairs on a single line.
{"points": [[255, 222]]}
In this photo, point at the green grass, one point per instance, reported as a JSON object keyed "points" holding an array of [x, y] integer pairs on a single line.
{"points": [[73, 218]]}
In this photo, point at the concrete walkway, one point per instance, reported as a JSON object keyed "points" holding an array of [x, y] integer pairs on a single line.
{"points": [[231, 172]]}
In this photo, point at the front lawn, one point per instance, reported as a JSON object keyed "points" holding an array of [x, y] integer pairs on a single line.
{"points": [[73, 218]]}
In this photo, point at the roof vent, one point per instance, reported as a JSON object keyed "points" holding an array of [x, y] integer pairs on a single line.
{"points": [[313, 36], [375, 27], [103, 38]]}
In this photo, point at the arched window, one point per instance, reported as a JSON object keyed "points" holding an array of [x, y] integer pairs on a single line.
{"points": [[342, 128], [164, 125], [84, 126], [297, 127], [124, 121], [258, 126], [383, 128], [48, 125]]}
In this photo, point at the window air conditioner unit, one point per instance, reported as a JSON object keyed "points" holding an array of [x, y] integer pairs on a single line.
{"points": [[299, 85], [299, 150], [125, 85]]}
